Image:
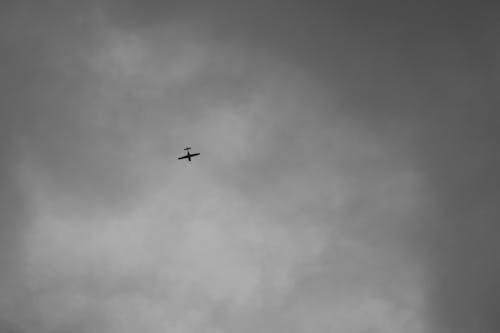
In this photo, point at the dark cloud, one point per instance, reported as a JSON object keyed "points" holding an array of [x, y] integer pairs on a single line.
{"points": [[413, 87], [421, 76]]}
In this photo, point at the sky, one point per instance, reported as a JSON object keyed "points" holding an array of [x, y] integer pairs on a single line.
{"points": [[347, 180]]}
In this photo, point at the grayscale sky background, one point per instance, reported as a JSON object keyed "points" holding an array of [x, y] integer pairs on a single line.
{"points": [[347, 180]]}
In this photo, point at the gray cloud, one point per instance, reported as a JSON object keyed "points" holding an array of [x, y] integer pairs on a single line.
{"points": [[346, 182]]}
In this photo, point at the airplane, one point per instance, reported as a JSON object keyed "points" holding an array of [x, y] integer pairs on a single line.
{"points": [[188, 155]]}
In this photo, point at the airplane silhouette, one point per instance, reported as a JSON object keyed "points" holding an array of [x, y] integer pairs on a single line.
{"points": [[188, 155]]}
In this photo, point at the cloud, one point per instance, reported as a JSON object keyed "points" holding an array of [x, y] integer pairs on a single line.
{"points": [[321, 200], [115, 233]]}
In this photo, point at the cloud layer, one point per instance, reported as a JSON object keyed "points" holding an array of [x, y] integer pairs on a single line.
{"points": [[343, 182]]}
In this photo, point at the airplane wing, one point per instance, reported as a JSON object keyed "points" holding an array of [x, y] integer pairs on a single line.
{"points": [[180, 158], [195, 154]]}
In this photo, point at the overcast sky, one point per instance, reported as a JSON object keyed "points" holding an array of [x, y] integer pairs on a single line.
{"points": [[347, 180]]}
